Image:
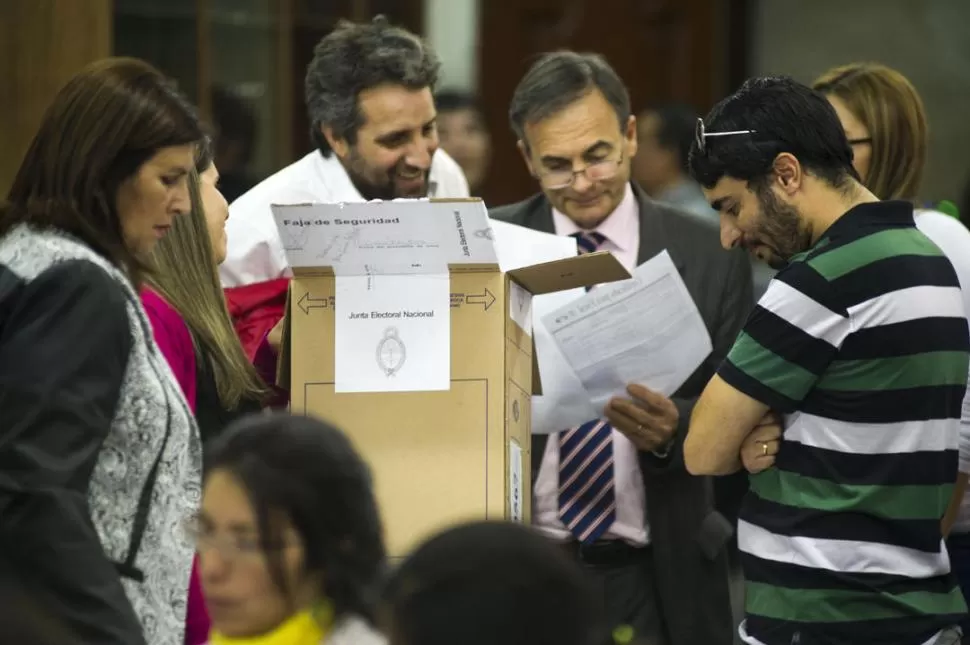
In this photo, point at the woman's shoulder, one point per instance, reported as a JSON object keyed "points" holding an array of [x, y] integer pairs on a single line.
{"points": [[30, 253]]}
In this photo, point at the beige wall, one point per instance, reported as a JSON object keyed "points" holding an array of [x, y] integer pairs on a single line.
{"points": [[927, 40]]}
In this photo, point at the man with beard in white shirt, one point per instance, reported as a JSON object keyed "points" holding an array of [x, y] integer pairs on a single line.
{"points": [[369, 94]]}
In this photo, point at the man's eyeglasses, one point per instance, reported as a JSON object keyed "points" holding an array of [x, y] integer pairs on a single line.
{"points": [[601, 170], [701, 136]]}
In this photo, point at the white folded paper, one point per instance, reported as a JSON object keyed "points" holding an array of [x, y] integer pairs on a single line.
{"points": [[645, 330]]}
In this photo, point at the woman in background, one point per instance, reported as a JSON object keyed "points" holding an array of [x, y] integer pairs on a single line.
{"points": [[99, 455], [289, 537], [885, 123], [191, 324]]}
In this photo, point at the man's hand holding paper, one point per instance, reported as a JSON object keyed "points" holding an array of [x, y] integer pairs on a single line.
{"points": [[649, 420], [639, 338]]}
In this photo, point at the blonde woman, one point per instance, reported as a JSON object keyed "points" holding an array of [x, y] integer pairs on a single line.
{"points": [[885, 122], [191, 325]]}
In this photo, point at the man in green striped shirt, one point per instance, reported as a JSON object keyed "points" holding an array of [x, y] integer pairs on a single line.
{"points": [[860, 345]]}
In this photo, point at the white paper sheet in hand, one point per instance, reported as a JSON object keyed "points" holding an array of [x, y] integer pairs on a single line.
{"points": [[394, 333], [645, 330], [564, 401]]}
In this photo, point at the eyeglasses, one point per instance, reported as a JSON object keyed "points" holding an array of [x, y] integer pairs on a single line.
{"points": [[595, 171], [700, 136], [859, 142], [234, 546]]}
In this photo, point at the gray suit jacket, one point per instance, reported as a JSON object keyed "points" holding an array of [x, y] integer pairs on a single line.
{"points": [[688, 536]]}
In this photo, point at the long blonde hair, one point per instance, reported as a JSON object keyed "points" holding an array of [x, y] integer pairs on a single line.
{"points": [[889, 106], [183, 271]]}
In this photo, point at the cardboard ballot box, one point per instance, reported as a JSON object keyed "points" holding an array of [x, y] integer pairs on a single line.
{"points": [[403, 331]]}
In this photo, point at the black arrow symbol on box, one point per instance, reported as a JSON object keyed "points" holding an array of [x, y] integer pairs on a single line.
{"points": [[481, 299], [307, 302]]}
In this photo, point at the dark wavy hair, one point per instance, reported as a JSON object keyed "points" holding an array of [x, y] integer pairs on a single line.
{"points": [[356, 57], [308, 471], [108, 120]]}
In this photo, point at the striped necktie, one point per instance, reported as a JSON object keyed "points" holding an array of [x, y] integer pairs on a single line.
{"points": [[587, 498], [589, 241]]}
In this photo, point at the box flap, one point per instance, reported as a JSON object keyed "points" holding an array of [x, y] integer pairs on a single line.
{"points": [[581, 271], [399, 237]]}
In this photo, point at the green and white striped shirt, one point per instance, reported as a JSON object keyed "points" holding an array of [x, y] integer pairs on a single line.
{"points": [[862, 343]]}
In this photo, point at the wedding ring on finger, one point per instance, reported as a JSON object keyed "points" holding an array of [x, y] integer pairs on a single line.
{"points": [[764, 448]]}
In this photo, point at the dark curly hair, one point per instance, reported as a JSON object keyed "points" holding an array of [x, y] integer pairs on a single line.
{"points": [[785, 116], [309, 471], [356, 57]]}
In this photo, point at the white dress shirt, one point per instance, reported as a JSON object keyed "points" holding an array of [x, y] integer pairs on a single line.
{"points": [[622, 232], [255, 250], [954, 240]]}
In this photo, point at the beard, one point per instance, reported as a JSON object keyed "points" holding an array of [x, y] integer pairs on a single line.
{"points": [[378, 183], [780, 229]]}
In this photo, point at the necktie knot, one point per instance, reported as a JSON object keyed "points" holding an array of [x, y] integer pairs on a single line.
{"points": [[589, 241]]}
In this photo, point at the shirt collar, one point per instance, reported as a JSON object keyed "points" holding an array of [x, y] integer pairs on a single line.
{"points": [[619, 227], [884, 214]]}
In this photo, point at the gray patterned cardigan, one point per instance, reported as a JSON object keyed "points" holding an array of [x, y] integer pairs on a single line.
{"points": [[100, 460]]}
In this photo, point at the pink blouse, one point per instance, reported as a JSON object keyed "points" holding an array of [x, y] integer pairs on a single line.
{"points": [[175, 342]]}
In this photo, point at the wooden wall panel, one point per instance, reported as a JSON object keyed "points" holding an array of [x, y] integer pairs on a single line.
{"points": [[665, 50], [42, 44]]}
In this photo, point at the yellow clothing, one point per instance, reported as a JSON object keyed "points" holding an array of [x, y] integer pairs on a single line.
{"points": [[304, 628]]}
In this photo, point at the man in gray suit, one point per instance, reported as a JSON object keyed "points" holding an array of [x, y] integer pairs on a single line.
{"points": [[614, 492]]}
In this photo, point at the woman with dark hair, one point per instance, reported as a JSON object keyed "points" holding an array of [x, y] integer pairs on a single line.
{"points": [[99, 455], [289, 536]]}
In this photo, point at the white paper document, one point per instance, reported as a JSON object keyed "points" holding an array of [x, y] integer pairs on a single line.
{"points": [[393, 333], [646, 330], [515, 481], [399, 237]]}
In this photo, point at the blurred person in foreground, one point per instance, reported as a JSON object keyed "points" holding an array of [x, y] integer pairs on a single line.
{"points": [[289, 537], [613, 491], [100, 457], [861, 345], [486, 583], [885, 121], [369, 94]]}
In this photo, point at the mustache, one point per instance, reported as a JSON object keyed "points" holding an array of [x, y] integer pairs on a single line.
{"points": [[407, 169]]}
